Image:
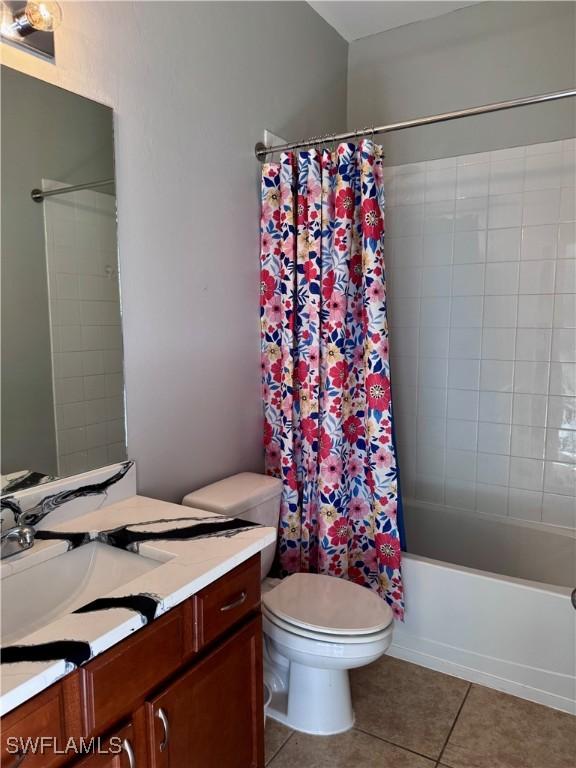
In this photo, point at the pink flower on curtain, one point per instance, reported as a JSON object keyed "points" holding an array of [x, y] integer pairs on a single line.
{"points": [[325, 369]]}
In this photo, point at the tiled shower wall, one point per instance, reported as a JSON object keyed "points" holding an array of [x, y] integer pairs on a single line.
{"points": [[85, 328], [481, 254]]}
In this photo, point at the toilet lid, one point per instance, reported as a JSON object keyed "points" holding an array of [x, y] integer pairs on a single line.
{"points": [[327, 604]]}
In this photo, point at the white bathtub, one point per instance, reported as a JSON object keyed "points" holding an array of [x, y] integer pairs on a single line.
{"points": [[488, 600]]}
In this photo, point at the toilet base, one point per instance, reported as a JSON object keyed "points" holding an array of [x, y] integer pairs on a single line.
{"points": [[319, 703]]}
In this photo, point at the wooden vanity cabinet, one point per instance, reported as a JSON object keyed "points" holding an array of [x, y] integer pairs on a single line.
{"points": [[210, 717], [183, 692]]}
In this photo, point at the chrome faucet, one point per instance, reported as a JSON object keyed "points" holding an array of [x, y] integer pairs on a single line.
{"points": [[16, 539]]}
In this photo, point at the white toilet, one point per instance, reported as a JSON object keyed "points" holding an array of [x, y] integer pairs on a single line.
{"points": [[316, 627]]}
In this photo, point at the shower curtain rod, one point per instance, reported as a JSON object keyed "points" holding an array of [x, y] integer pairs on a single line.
{"points": [[38, 195], [262, 150]]}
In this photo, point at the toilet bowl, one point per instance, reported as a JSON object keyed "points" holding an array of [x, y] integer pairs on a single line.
{"points": [[316, 627]]}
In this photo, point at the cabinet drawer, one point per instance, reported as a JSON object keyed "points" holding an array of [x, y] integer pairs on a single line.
{"points": [[119, 680], [43, 717], [228, 600]]}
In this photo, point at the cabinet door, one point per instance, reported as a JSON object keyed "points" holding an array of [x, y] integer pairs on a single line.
{"points": [[212, 717], [117, 751]]}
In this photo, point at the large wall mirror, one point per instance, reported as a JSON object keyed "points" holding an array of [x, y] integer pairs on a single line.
{"points": [[62, 365]]}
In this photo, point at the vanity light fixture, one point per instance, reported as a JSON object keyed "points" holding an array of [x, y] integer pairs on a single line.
{"points": [[31, 24]]}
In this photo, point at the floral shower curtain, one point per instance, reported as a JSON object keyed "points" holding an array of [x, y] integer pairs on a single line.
{"points": [[326, 378]]}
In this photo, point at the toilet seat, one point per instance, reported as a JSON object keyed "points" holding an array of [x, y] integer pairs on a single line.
{"points": [[324, 637], [326, 606]]}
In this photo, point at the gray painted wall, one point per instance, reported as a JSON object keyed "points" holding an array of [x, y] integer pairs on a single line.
{"points": [[193, 86], [488, 52], [47, 132]]}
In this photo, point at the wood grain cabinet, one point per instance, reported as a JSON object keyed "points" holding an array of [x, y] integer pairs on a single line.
{"points": [[184, 692]]}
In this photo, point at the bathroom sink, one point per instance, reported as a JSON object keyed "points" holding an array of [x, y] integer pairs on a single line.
{"points": [[34, 597]]}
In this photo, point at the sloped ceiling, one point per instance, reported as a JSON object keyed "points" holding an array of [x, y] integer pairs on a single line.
{"points": [[354, 20]]}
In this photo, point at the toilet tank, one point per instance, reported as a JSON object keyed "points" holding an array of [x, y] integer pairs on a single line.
{"points": [[248, 496]]}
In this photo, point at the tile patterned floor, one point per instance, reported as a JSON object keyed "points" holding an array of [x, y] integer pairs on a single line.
{"points": [[430, 720]]}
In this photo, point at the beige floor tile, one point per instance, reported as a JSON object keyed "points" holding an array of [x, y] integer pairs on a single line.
{"points": [[495, 730], [275, 736], [347, 750], [409, 705]]}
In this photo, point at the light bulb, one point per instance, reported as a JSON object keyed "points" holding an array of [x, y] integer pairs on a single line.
{"points": [[7, 27], [43, 16]]}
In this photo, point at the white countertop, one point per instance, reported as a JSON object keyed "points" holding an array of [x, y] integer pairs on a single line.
{"points": [[188, 565]]}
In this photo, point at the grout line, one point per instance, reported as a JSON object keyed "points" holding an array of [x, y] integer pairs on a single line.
{"points": [[393, 743], [275, 755], [460, 708]]}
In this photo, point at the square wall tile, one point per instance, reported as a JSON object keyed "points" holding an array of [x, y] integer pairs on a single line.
{"points": [[432, 402], [436, 281], [539, 243], [461, 465], [504, 211], [491, 499], [460, 494], [506, 176], [437, 249], [531, 378], [497, 375], [495, 407], [566, 276], [468, 279], [439, 216], [525, 505], [435, 312], [429, 460], [465, 343], [561, 445], [501, 278], [560, 478], [500, 311], [567, 240], [494, 438], [471, 214], [492, 469], [498, 343], [470, 247], [564, 345], [562, 412], [433, 341], [467, 312], [535, 311], [462, 435], [504, 244], [563, 379], [430, 489], [544, 171], [441, 185], [529, 410], [472, 180], [537, 277], [567, 204], [559, 510], [565, 311], [528, 442], [541, 207], [463, 404], [463, 374], [432, 372], [533, 344], [526, 474]]}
